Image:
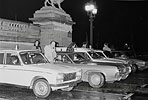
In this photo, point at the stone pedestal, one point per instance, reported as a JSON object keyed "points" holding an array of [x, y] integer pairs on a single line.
{"points": [[55, 25]]}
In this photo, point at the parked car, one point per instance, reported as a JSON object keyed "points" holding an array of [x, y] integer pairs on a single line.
{"points": [[31, 69], [137, 65], [93, 73], [93, 56], [109, 56]]}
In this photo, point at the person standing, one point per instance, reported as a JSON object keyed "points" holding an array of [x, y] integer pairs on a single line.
{"points": [[37, 46], [84, 45], [71, 47], [50, 52], [106, 47]]}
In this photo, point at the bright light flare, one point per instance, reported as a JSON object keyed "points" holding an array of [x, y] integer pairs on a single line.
{"points": [[89, 7], [94, 11]]}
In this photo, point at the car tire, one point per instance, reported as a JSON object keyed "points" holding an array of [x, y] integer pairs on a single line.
{"points": [[67, 89], [96, 80], [41, 88]]}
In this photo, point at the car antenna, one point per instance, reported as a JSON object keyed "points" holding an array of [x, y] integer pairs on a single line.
{"points": [[16, 37]]}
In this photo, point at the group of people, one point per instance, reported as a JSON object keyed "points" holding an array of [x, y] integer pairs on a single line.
{"points": [[50, 50]]}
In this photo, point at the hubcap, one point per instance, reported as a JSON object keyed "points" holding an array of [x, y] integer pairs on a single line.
{"points": [[95, 79], [41, 88]]}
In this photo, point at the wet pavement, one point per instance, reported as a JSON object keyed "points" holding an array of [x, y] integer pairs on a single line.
{"points": [[15, 93], [135, 86]]}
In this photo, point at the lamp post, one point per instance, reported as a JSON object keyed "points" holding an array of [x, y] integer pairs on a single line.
{"points": [[91, 10]]}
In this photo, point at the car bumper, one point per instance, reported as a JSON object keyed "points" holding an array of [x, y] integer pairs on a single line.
{"points": [[122, 76], [64, 85]]}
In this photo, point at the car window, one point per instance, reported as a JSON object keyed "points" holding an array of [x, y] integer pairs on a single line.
{"points": [[32, 57], [100, 55], [94, 55], [78, 57], [109, 54], [63, 58], [85, 56], [119, 55], [12, 59], [1, 58]]}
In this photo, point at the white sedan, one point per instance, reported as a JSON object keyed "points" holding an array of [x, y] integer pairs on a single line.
{"points": [[31, 69], [92, 72]]}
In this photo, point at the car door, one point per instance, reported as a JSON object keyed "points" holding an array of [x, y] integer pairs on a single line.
{"points": [[12, 70]]}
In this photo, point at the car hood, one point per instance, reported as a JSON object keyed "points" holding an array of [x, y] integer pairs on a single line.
{"points": [[108, 61], [92, 65], [125, 61], [53, 67], [134, 61], [137, 61]]}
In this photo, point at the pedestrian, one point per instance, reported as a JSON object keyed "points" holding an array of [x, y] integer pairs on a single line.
{"points": [[50, 52], [71, 47], [56, 44], [84, 45], [37, 46], [106, 47], [90, 47]]}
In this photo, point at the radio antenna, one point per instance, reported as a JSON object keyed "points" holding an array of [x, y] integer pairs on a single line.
{"points": [[16, 36]]}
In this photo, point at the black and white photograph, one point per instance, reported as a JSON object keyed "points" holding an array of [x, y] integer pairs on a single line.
{"points": [[73, 50]]}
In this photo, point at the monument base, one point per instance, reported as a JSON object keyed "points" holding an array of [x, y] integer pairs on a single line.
{"points": [[55, 25]]}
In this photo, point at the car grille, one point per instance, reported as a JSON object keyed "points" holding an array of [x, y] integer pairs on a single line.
{"points": [[128, 69], [69, 76], [125, 69]]}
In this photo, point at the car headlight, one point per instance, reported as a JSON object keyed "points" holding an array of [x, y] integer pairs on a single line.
{"points": [[121, 69], [60, 77], [79, 74]]}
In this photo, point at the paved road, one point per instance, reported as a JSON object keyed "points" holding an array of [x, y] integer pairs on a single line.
{"points": [[136, 83], [14, 93]]}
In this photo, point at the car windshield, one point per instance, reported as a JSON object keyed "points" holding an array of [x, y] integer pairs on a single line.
{"points": [[100, 54], [79, 57], [32, 57], [94, 55], [118, 54], [109, 54]]}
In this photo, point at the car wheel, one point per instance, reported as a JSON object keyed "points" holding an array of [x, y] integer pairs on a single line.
{"points": [[41, 88], [134, 68], [96, 80], [67, 89]]}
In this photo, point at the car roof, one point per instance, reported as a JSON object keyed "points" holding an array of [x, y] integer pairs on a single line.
{"points": [[63, 49], [82, 49], [98, 50], [8, 50]]}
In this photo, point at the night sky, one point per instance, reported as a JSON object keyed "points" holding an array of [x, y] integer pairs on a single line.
{"points": [[116, 22]]}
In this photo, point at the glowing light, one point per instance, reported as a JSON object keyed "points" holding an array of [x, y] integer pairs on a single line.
{"points": [[90, 7], [94, 11]]}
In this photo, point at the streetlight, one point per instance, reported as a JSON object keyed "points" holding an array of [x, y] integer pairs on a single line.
{"points": [[91, 9]]}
